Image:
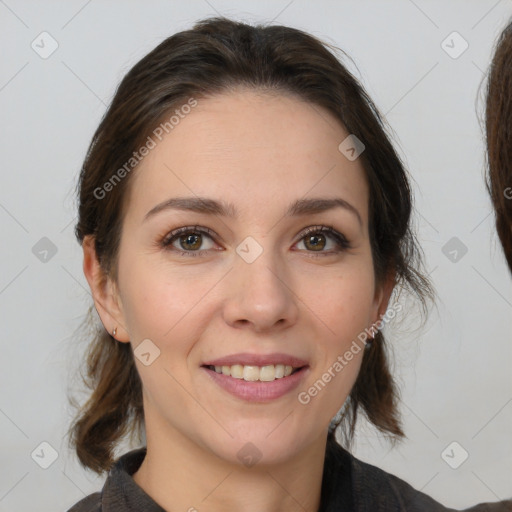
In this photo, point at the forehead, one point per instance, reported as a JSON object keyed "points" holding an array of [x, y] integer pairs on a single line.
{"points": [[250, 148]]}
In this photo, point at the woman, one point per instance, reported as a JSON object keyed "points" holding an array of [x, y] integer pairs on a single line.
{"points": [[499, 139], [245, 221]]}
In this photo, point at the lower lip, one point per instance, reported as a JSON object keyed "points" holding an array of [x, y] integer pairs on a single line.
{"points": [[257, 391]]}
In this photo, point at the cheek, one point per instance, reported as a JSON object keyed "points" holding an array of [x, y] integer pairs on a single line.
{"points": [[158, 301], [346, 303], [345, 310]]}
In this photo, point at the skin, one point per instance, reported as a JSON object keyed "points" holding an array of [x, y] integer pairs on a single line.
{"points": [[260, 152]]}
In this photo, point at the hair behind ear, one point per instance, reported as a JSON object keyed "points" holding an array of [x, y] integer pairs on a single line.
{"points": [[115, 405], [375, 393]]}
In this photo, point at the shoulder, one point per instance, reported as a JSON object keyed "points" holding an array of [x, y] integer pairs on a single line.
{"points": [[91, 503], [376, 484], [119, 492], [409, 499], [376, 490]]}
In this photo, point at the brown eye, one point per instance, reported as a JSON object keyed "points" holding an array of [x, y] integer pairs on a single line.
{"points": [[315, 242], [318, 238], [189, 241], [192, 241]]}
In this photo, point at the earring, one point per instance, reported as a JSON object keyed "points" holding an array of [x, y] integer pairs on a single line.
{"points": [[369, 342], [114, 332]]}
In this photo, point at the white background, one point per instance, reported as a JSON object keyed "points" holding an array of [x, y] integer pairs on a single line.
{"points": [[454, 374]]}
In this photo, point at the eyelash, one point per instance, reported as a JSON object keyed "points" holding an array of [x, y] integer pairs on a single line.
{"points": [[340, 240]]}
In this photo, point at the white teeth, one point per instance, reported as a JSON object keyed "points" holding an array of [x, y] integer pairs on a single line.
{"points": [[237, 371], [267, 373], [252, 373], [279, 371]]}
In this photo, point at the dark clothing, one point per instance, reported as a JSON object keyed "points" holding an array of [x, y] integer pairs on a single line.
{"points": [[348, 485]]}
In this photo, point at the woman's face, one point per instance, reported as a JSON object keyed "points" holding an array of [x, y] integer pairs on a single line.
{"points": [[255, 285]]}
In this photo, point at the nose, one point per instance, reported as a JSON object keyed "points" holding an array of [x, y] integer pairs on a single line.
{"points": [[260, 294]]}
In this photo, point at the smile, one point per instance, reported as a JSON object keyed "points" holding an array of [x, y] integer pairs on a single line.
{"points": [[251, 373], [252, 383]]}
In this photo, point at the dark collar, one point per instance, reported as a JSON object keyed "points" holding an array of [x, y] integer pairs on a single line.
{"points": [[348, 484], [121, 494]]}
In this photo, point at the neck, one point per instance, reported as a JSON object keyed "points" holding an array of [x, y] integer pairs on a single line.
{"points": [[181, 475]]}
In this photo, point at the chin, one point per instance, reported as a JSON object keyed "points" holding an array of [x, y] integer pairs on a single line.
{"points": [[256, 446]]}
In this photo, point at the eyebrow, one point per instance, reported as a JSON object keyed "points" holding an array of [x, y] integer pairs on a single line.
{"points": [[213, 207]]}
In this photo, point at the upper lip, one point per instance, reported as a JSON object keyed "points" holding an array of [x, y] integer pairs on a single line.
{"points": [[247, 359]]}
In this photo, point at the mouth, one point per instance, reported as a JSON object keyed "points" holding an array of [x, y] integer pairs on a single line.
{"points": [[252, 373], [257, 377]]}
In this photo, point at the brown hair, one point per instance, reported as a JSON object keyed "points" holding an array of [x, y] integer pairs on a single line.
{"points": [[498, 123], [216, 55]]}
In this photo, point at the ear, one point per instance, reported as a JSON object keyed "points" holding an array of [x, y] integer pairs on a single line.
{"points": [[382, 295], [104, 292]]}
